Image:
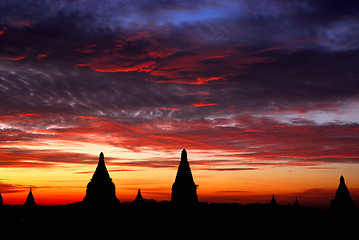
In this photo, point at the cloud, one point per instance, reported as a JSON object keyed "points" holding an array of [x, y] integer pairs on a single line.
{"points": [[20, 157], [244, 80], [241, 143], [12, 188]]}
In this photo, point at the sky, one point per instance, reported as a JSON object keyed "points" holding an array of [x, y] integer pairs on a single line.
{"points": [[263, 95]]}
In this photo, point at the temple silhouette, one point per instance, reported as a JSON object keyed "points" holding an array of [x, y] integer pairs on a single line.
{"points": [[296, 204], [342, 201], [139, 201], [101, 190], [30, 200], [184, 190], [273, 202], [149, 214]]}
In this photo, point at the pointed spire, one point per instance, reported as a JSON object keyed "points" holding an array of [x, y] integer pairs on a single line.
{"points": [[184, 190], [101, 158], [184, 154], [101, 190], [342, 201], [296, 204], [101, 173], [139, 199], [342, 181], [30, 200], [273, 201]]}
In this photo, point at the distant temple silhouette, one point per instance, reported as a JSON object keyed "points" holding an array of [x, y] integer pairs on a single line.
{"points": [[273, 202], [342, 201], [101, 190], [30, 200], [139, 201], [296, 204], [184, 190]]}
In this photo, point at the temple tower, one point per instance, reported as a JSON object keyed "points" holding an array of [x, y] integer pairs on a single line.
{"points": [[296, 204], [101, 190], [30, 200], [273, 202], [342, 201], [139, 201], [184, 190]]}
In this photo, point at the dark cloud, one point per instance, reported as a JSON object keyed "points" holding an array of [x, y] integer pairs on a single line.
{"points": [[166, 73], [12, 188], [19, 157]]}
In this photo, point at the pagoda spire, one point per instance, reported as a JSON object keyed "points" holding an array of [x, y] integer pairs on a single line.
{"points": [[30, 200], [273, 202], [139, 201], [296, 204], [184, 190], [101, 173], [101, 190], [342, 201]]}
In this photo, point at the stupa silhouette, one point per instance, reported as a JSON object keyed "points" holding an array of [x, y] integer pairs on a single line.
{"points": [[30, 200], [296, 204], [273, 202], [139, 201], [101, 190], [184, 190], [342, 201]]}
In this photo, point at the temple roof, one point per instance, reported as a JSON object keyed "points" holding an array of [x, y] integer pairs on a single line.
{"points": [[30, 200], [101, 191], [184, 173], [342, 200], [273, 201], [139, 199], [101, 173], [296, 204], [184, 189]]}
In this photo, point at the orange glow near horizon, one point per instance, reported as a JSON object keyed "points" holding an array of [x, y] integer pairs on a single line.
{"points": [[60, 161], [66, 183]]}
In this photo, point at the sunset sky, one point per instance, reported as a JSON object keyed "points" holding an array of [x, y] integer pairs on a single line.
{"points": [[263, 95]]}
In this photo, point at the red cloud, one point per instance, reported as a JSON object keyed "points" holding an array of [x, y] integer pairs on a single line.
{"points": [[169, 108], [201, 104], [204, 66], [123, 67], [142, 52], [245, 141], [129, 55], [43, 55], [14, 58], [87, 49]]}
